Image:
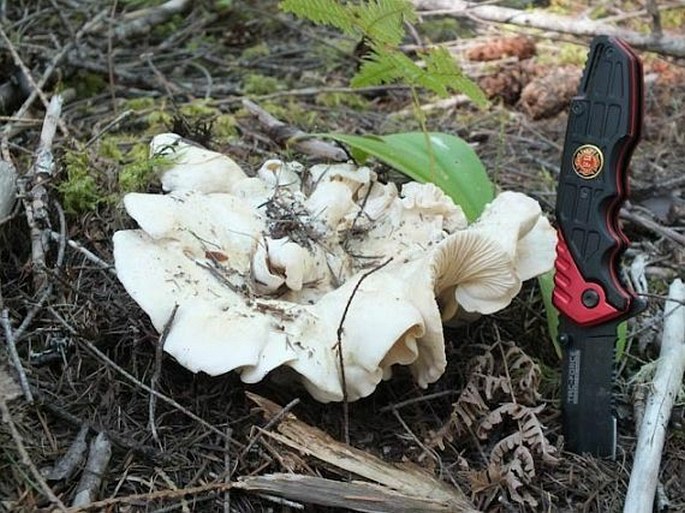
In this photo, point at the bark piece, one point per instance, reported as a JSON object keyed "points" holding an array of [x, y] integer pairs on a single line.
{"points": [[354, 495], [406, 480]]}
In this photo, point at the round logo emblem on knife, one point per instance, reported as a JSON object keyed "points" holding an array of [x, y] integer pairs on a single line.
{"points": [[588, 161]]}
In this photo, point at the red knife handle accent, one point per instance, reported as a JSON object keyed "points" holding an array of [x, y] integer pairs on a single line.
{"points": [[570, 288], [604, 127]]}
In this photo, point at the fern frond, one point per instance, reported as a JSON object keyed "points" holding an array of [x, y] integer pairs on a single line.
{"points": [[443, 69], [324, 12], [385, 68], [382, 21]]}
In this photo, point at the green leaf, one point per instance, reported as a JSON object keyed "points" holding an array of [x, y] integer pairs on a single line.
{"points": [[443, 159], [546, 282]]}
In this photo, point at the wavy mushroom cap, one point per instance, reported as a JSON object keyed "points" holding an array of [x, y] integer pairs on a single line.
{"points": [[194, 167], [293, 266]]}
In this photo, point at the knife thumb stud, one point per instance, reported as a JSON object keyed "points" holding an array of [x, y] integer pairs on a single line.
{"points": [[590, 298]]}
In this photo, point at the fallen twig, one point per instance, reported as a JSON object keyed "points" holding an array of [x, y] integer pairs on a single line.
{"points": [[159, 350], [34, 194], [664, 388], [67, 464], [666, 45], [141, 21], [137, 498], [286, 135], [339, 347], [98, 460], [85, 252], [275, 419], [653, 226], [11, 341]]}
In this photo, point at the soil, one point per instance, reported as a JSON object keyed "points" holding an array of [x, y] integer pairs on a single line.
{"points": [[89, 352]]}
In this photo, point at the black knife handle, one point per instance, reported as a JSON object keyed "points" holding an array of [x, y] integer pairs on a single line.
{"points": [[587, 388], [604, 127]]}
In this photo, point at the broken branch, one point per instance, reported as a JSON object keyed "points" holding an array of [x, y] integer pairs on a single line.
{"points": [[660, 43], [667, 381]]}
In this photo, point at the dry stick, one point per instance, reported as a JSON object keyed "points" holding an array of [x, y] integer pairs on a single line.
{"points": [[667, 45], [272, 422], [36, 90], [11, 341], [144, 19], [158, 371], [67, 464], [287, 135], [19, 333], [415, 400], [227, 469], [664, 231], [338, 345], [98, 459], [106, 504], [26, 459], [667, 381], [102, 356], [85, 252], [35, 195]]}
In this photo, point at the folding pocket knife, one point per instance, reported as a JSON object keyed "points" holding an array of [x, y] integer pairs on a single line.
{"points": [[604, 126]]}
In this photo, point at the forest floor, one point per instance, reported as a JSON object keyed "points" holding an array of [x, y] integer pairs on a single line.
{"points": [[89, 351]]}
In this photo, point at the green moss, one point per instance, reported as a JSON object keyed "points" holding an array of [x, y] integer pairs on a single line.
{"points": [[79, 191], [139, 168], [109, 148], [140, 104], [335, 100], [170, 27], [223, 5], [87, 84], [197, 109], [572, 54], [256, 51], [598, 12], [673, 18], [256, 84], [224, 126], [159, 121], [293, 113]]}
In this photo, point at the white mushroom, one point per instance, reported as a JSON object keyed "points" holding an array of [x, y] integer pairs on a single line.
{"points": [[516, 222], [194, 167], [293, 266]]}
